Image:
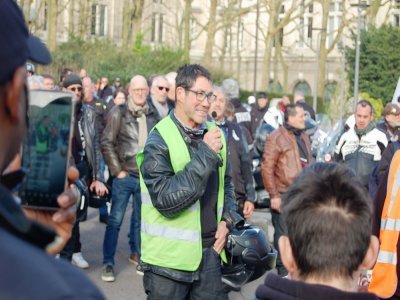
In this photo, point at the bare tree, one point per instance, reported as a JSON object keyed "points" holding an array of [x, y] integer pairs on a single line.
{"points": [[277, 20], [186, 36], [221, 18], [52, 24]]}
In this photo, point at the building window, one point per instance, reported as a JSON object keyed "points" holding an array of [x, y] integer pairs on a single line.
{"points": [[157, 26], [396, 20], [273, 87], [303, 87], [309, 28], [98, 20], [301, 33], [160, 28], [306, 25], [228, 38], [334, 21], [93, 20], [102, 23], [240, 33]]}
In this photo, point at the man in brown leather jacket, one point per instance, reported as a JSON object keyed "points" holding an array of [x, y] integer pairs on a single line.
{"points": [[124, 136], [287, 150]]}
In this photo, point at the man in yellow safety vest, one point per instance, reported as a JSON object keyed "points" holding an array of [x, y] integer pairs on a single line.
{"points": [[188, 202]]}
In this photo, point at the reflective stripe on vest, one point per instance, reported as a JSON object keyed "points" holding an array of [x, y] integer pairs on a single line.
{"points": [[175, 242], [384, 276]]}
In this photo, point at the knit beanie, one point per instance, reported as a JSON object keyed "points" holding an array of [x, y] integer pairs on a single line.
{"points": [[71, 79]]}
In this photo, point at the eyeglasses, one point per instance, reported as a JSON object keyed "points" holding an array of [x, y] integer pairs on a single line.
{"points": [[163, 87], [201, 96], [74, 89], [139, 90]]}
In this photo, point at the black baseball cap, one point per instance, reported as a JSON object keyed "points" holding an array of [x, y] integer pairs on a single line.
{"points": [[17, 44]]}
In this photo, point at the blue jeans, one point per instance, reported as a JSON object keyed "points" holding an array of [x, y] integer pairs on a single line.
{"points": [[122, 189]]}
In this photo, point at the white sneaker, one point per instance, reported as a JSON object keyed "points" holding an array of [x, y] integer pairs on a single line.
{"points": [[79, 261]]}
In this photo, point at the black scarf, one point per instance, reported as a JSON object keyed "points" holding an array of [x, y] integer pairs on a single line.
{"points": [[300, 143], [294, 130], [364, 131]]}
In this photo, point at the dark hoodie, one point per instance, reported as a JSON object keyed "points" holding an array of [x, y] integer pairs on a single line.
{"points": [[277, 288]]}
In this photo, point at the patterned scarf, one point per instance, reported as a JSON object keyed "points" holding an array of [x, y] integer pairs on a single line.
{"points": [[140, 112]]}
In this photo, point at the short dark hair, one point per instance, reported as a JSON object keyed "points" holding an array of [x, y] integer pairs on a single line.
{"points": [[328, 217], [290, 110], [187, 75], [365, 103]]}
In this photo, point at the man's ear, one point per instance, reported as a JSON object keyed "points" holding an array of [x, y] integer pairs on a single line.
{"points": [[371, 255], [285, 250], [180, 94], [12, 96]]}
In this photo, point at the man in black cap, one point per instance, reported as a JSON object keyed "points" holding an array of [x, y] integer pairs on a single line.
{"points": [[28, 272], [85, 148]]}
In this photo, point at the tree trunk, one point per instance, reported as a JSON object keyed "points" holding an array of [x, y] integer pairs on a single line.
{"points": [[186, 42], [126, 23], [323, 53], [223, 50], [52, 24], [238, 35], [272, 22], [137, 20], [211, 28], [82, 18], [71, 22]]}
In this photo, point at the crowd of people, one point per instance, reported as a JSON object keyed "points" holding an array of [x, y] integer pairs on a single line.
{"points": [[181, 148]]}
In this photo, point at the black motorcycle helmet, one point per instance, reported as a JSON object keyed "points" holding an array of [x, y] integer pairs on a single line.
{"points": [[249, 256]]}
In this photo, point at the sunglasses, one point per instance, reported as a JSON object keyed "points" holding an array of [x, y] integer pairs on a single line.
{"points": [[74, 89], [163, 87]]}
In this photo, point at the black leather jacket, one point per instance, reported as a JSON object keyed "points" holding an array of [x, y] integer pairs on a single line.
{"points": [[119, 142], [173, 193], [89, 123]]}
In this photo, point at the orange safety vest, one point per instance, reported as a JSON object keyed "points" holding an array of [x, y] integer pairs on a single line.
{"points": [[384, 276]]}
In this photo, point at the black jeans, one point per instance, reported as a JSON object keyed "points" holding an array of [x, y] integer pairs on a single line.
{"points": [[208, 286], [74, 243], [277, 222]]}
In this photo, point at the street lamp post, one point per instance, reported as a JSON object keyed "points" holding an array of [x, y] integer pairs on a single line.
{"points": [[256, 51], [360, 6], [317, 67]]}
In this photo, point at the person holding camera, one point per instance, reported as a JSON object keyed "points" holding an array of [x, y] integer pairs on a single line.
{"points": [[29, 272]]}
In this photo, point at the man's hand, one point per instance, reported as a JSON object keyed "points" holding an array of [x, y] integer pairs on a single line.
{"points": [[99, 187], [122, 174], [276, 204], [63, 219], [220, 237], [248, 209], [213, 139]]}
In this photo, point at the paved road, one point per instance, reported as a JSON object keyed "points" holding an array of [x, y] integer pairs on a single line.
{"points": [[128, 284]]}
